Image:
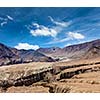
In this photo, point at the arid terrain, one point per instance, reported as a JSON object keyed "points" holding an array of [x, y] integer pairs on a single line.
{"points": [[76, 76], [73, 69]]}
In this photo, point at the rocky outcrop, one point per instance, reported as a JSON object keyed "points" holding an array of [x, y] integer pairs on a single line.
{"points": [[23, 78]]}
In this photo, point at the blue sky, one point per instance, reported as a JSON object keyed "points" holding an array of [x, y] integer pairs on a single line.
{"points": [[32, 28]]}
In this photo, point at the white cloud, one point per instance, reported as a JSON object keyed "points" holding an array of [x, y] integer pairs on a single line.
{"points": [[5, 20], [58, 41], [3, 23], [75, 35], [68, 44], [10, 18], [61, 23], [71, 36], [35, 24], [43, 31], [26, 46]]}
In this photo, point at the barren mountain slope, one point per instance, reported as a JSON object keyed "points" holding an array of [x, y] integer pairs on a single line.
{"points": [[13, 56], [93, 52], [70, 52]]}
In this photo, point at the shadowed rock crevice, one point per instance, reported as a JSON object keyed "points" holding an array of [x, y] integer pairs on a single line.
{"points": [[56, 88]]}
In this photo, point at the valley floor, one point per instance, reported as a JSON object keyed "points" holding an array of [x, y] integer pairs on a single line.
{"points": [[81, 76]]}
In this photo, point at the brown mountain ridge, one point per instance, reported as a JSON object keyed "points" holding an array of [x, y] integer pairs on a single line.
{"points": [[86, 50], [72, 52]]}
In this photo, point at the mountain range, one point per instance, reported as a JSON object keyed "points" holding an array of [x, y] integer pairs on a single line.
{"points": [[72, 52], [13, 56], [86, 50]]}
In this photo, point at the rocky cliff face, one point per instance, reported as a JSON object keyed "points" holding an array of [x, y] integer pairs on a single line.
{"points": [[19, 75]]}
